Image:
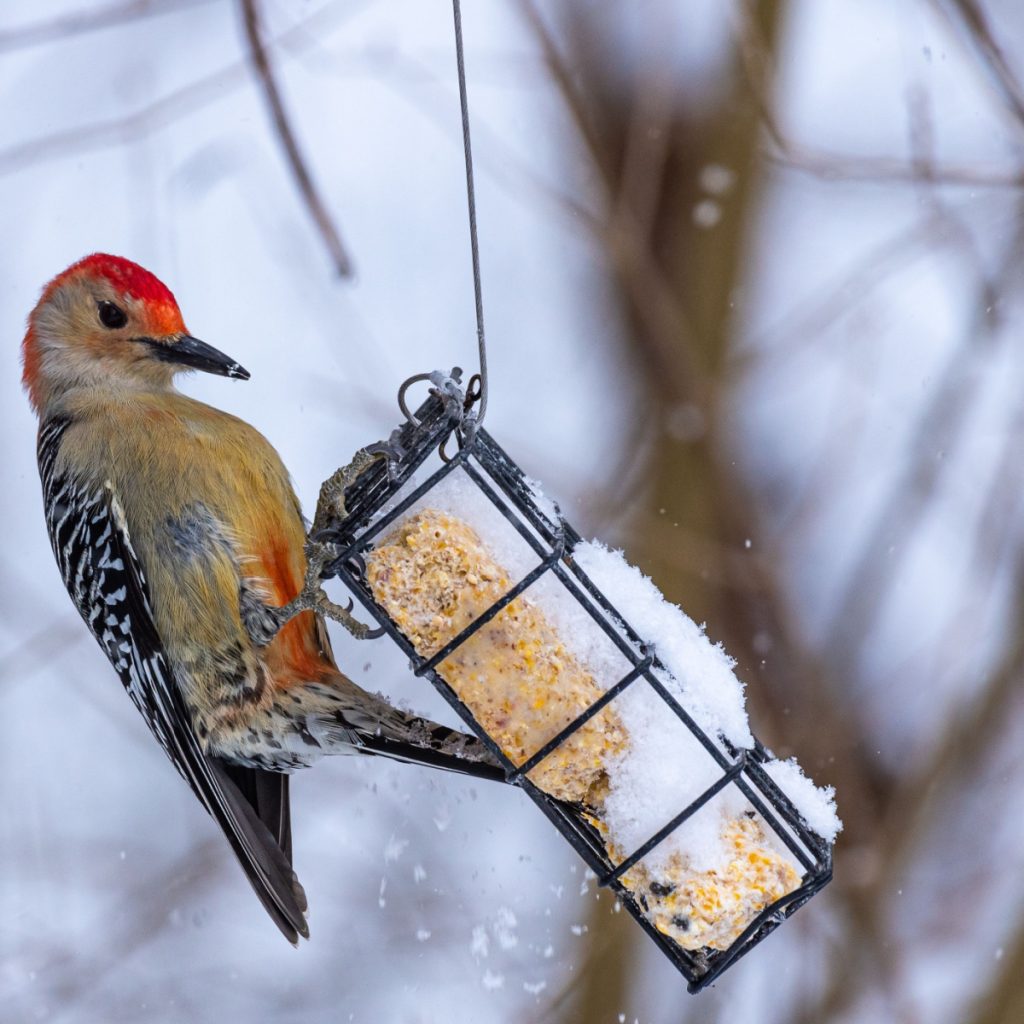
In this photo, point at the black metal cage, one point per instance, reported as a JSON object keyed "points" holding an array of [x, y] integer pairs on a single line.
{"points": [[374, 503]]}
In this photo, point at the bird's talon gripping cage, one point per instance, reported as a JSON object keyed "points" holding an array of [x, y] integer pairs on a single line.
{"points": [[378, 499]]}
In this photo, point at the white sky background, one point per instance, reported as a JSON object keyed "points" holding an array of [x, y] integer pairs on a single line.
{"points": [[100, 917]]}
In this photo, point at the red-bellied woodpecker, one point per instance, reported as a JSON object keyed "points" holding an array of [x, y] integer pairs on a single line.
{"points": [[178, 535]]}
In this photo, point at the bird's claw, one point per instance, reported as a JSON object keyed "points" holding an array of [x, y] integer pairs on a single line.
{"points": [[343, 616], [330, 505], [313, 599], [330, 508]]}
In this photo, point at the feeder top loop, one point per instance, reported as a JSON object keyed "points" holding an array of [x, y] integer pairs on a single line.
{"points": [[446, 386], [477, 389]]}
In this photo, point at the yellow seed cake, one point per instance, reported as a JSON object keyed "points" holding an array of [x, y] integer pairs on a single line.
{"points": [[434, 576]]}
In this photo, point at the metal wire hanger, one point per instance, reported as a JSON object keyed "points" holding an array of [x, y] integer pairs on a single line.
{"points": [[477, 388]]}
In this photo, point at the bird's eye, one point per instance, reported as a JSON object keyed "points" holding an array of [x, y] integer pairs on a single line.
{"points": [[112, 316]]}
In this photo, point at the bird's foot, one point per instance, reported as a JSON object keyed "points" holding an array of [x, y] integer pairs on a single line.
{"points": [[343, 614], [330, 505], [330, 508], [312, 598]]}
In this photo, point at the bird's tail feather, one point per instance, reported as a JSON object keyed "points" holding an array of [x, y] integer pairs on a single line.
{"points": [[266, 865], [452, 751], [343, 718], [347, 719]]}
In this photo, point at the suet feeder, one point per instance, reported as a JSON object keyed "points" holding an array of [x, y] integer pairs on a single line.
{"points": [[385, 495]]}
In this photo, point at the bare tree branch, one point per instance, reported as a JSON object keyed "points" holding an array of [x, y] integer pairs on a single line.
{"points": [[937, 430], [883, 170], [1004, 1001], [985, 43], [151, 118], [90, 20], [315, 205], [783, 151]]}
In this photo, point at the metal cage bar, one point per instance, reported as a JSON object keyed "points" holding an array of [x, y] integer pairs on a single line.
{"points": [[580, 720], [666, 830], [370, 511]]}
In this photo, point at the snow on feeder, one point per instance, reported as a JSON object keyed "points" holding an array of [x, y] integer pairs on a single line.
{"points": [[605, 704]]}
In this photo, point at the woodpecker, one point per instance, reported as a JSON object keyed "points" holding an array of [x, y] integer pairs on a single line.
{"points": [[178, 536]]}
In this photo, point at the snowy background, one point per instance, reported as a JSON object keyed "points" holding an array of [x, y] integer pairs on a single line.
{"points": [[752, 279]]}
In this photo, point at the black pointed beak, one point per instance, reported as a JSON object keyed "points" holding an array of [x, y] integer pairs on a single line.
{"points": [[197, 355]]}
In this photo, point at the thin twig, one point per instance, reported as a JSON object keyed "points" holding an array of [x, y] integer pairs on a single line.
{"points": [[756, 63], [655, 299], [559, 69], [80, 22], [506, 168], [85, 138], [883, 170], [937, 431], [1004, 1000], [260, 59], [975, 23]]}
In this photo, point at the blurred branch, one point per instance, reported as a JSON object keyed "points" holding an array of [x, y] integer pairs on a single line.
{"points": [[956, 755], [179, 103], [676, 280], [841, 167], [918, 798], [647, 155], [1003, 1003], [995, 547], [973, 19], [911, 816], [625, 234], [20, 662], [560, 70], [937, 430], [756, 61], [697, 477], [803, 325], [122, 130], [90, 20], [508, 170], [286, 137]]}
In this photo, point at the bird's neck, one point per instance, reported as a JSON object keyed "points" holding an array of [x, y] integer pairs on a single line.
{"points": [[117, 398]]}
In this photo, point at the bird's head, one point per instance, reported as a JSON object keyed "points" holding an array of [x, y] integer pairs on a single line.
{"points": [[106, 321]]}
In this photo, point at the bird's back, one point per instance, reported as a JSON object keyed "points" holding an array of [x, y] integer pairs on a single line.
{"points": [[212, 514], [117, 548]]}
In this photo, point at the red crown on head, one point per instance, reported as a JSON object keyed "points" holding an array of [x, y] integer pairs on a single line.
{"points": [[124, 275]]}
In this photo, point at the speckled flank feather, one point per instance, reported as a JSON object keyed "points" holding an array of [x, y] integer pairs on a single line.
{"points": [[175, 528]]}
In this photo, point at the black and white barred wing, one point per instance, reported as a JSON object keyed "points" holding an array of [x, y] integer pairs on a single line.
{"points": [[105, 579]]}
